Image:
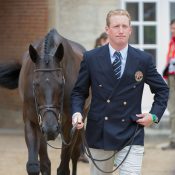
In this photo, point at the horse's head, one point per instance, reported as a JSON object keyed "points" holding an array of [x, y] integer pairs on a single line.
{"points": [[48, 89]]}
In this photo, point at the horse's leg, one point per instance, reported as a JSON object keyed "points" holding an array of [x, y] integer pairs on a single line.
{"points": [[45, 164], [75, 154], [32, 141], [63, 168]]}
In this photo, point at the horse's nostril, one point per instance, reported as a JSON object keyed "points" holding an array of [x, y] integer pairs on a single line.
{"points": [[50, 130], [58, 129]]}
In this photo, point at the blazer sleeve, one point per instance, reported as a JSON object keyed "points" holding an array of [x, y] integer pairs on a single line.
{"points": [[81, 89], [158, 87]]}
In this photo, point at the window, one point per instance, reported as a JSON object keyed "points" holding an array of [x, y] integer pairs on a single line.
{"points": [[149, 34], [133, 9], [172, 10], [149, 12], [144, 25]]}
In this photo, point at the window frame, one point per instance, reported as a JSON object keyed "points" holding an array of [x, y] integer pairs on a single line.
{"points": [[141, 23]]}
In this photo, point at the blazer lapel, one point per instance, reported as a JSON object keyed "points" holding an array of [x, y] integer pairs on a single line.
{"points": [[131, 65], [128, 74], [104, 62]]}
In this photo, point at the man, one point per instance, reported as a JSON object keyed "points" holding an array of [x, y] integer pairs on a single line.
{"points": [[169, 75], [116, 73]]}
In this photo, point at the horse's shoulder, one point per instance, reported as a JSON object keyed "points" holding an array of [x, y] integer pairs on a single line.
{"points": [[94, 52], [76, 47]]}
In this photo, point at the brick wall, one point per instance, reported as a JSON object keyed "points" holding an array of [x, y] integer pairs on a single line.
{"points": [[21, 22]]}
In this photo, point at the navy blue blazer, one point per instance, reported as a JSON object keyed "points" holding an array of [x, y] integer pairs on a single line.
{"points": [[111, 120]]}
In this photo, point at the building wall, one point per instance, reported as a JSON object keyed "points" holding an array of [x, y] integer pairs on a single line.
{"points": [[82, 21], [21, 22]]}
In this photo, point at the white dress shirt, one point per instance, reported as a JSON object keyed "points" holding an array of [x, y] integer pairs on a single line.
{"points": [[124, 53]]}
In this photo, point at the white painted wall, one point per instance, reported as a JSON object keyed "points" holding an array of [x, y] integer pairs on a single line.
{"points": [[81, 21]]}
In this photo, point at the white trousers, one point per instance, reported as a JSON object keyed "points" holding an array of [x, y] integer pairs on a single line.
{"points": [[131, 166]]}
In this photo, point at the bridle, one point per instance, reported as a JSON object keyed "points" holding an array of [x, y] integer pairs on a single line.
{"points": [[41, 110]]}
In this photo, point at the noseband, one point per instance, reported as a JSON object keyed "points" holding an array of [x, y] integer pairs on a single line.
{"points": [[43, 109]]}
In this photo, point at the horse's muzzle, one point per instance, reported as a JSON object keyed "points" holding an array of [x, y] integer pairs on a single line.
{"points": [[50, 133]]}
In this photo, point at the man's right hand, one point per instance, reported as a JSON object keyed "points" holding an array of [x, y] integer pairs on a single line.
{"points": [[77, 120]]}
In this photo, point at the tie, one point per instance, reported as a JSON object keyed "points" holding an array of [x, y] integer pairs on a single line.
{"points": [[117, 64]]}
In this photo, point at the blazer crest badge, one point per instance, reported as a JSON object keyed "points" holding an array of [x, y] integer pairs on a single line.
{"points": [[138, 76]]}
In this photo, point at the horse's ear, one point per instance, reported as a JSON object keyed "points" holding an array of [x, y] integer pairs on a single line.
{"points": [[33, 53], [59, 52]]}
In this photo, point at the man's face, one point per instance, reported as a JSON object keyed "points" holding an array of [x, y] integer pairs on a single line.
{"points": [[173, 30], [118, 30]]}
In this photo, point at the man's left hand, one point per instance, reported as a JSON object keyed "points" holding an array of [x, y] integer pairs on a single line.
{"points": [[144, 119]]}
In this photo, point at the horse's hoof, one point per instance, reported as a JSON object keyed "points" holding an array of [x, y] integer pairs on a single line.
{"points": [[33, 168], [61, 172]]}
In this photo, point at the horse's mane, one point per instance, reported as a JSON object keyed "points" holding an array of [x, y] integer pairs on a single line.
{"points": [[49, 44], [53, 39]]}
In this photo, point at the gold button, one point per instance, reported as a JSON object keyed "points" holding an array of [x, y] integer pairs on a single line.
{"points": [[125, 103], [106, 118], [108, 101]]}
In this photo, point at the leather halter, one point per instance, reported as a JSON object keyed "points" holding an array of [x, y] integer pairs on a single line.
{"points": [[43, 109]]}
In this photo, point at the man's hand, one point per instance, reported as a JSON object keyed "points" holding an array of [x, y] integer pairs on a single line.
{"points": [[77, 120], [145, 119]]}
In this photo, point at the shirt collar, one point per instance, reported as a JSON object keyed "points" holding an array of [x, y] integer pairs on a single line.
{"points": [[123, 52]]}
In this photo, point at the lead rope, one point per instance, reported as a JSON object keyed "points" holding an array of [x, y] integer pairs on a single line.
{"points": [[88, 153], [63, 140]]}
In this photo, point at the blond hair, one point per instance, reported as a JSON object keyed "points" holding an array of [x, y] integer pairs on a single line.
{"points": [[120, 12]]}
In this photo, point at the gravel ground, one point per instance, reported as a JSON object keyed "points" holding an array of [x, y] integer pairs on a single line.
{"points": [[13, 157]]}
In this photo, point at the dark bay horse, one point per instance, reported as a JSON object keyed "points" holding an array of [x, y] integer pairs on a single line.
{"points": [[45, 80]]}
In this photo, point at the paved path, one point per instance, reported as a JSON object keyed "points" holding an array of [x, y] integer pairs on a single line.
{"points": [[13, 156]]}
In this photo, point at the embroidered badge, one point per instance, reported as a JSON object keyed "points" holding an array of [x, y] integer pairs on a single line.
{"points": [[138, 76]]}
